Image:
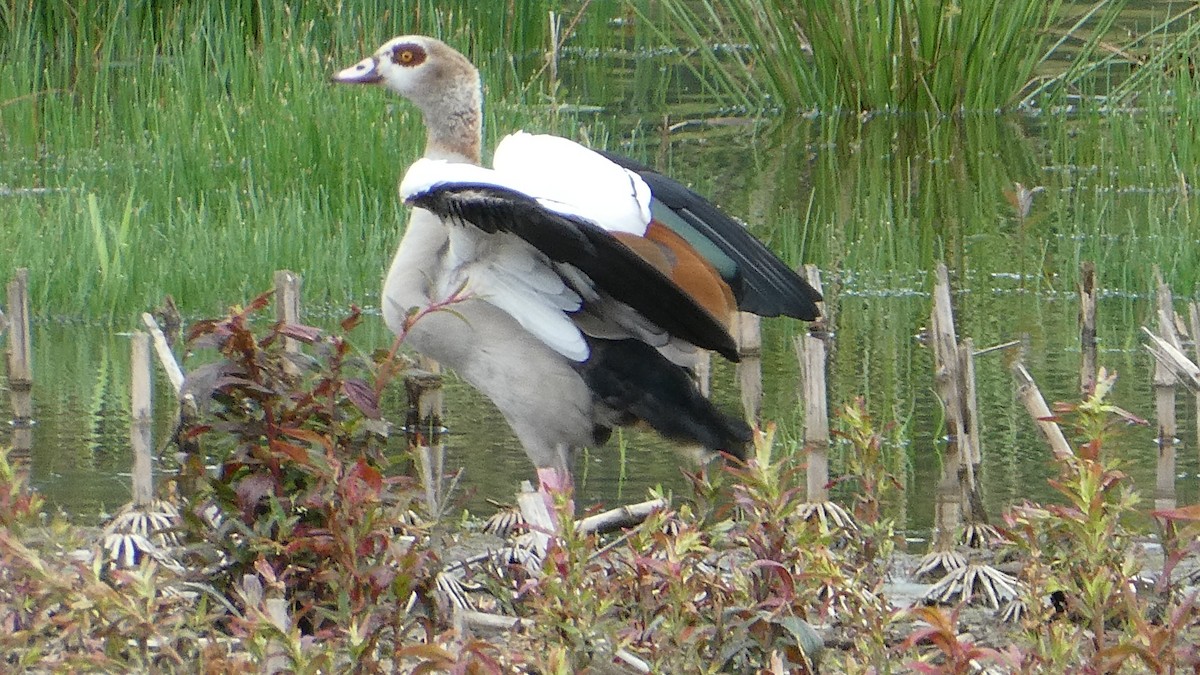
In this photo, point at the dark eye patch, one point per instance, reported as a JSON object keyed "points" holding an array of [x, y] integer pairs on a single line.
{"points": [[408, 54]]}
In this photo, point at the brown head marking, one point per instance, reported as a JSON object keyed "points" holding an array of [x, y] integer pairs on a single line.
{"points": [[408, 54]]}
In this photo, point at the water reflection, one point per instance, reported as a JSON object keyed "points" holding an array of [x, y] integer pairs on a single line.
{"points": [[81, 459], [874, 205]]}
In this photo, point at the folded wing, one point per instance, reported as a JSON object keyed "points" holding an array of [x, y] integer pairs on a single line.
{"points": [[762, 283]]}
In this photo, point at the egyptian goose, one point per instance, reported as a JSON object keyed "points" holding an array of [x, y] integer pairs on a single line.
{"points": [[587, 281]]}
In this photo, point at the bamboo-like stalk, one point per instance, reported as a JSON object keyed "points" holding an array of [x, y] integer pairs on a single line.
{"points": [[812, 354], [1194, 325], [620, 517], [287, 310], [1087, 327], [749, 367], [166, 357], [1164, 398], [1035, 404], [141, 418], [474, 622], [952, 491], [20, 349]]}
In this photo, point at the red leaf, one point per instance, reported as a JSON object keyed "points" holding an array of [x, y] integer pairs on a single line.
{"points": [[350, 322], [1190, 513], [292, 451], [319, 543], [259, 303], [305, 334], [308, 436], [363, 397], [195, 431], [367, 474]]}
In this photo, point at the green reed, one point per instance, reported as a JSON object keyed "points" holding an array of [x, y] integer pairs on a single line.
{"points": [[191, 149], [901, 55]]}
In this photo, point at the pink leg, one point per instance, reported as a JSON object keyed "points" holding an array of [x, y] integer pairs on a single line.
{"points": [[552, 482]]}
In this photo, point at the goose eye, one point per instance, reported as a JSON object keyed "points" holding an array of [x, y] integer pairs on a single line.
{"points": [[408, 55]]}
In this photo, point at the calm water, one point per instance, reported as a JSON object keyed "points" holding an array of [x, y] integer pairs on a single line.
{"points": [[80, 459], [874, 205]]}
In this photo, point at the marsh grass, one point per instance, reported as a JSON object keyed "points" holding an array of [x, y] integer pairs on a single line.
{"points": [[191, 149], [888, 55]]}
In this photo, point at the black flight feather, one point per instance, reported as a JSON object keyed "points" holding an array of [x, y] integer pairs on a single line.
{"points": [[764, 284], [612, 265], [638, 383]]}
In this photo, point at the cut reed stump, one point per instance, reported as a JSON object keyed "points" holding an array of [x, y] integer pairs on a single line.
{"points": [[954, 487], [1087, 327], [287, 311], [1194, 326], [540, 521], [1035, 404], [1164, 398], [20, 349], [977, 532], [812, 351], [424, 431], [702, 373], [959, 495], [749, 367], [145, 526], [20, 367]]}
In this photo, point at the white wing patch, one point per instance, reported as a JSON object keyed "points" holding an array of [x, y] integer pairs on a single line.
{"points": [[573, 176], [563, 177]]}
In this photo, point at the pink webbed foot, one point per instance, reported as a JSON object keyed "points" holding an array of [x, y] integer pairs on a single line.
{"points": [[553, 482]]}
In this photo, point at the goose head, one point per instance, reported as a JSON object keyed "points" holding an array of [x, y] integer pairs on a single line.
{"points": [[439, 81]]}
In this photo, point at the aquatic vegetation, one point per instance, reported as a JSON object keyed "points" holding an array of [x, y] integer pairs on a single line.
{"points": [[331, 573], [909, 55], [193, 148]]}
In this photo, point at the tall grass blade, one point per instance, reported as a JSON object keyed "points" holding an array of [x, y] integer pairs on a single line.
{"points": [[99, 238]]}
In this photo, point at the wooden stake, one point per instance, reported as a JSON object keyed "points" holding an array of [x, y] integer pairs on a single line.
{"points": [[1164, 399], [749, 368], [20, 349], [1184, 370], [423, 426], [141, 418], [166, 357], [537, 515], [1087, 327], [811, 351], [620, 518], [974, 504], [1035, 404], [703, 373], [1194, 325], [954, 489], [287, 310]]}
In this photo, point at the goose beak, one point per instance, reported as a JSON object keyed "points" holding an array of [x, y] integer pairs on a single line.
{"points": [[363, 72]]}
